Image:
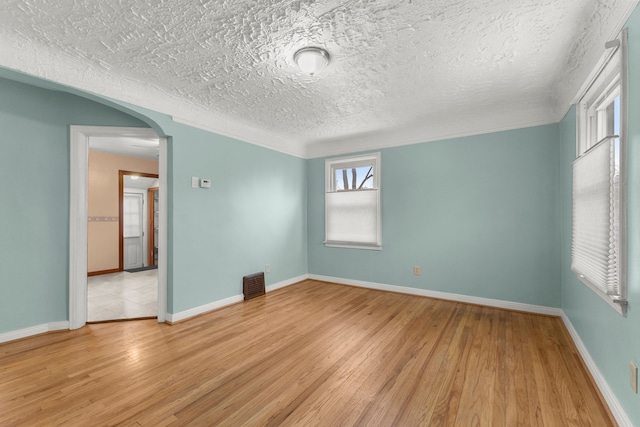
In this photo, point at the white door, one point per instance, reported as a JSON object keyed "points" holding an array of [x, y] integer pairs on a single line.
{"points": [[132, 231]]}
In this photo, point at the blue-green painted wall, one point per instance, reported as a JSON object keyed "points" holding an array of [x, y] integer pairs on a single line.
{"points": [[612, 340], [478, 214], [254, 213], [34, 199], [486, 216]]}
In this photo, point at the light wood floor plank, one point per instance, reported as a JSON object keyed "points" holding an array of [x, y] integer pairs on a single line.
{"points": [[313, 353]]}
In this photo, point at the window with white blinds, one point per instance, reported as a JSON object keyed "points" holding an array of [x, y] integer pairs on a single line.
{"points": [[352, 202], [598, 250], [132, 216], [595, 223]]}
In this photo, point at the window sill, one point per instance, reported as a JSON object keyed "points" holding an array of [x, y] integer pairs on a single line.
{"points": [[621, 308], [348, 245]]}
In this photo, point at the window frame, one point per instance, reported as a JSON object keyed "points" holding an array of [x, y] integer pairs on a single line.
{"points": [[337, 163], [609, 82]]}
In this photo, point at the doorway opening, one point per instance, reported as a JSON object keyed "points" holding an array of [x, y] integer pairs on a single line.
{"points": [[81, 137], [138, 195], [131, 293]]}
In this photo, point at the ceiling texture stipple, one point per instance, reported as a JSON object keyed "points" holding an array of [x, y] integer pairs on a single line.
{"points": [[401, 71]]}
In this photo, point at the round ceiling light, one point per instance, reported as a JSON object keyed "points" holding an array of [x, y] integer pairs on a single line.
{"points": [[311, 60]]}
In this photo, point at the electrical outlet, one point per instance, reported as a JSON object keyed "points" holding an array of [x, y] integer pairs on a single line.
{"points": [[267, 268], [416, 270], [633, 377]]}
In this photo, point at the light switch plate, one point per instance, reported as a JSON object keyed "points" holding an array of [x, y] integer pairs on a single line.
{"points": [[633, 376], [195, 182]]}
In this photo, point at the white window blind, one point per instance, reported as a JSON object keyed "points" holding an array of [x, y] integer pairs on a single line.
{"points": [[352, 217], [595, 223]]}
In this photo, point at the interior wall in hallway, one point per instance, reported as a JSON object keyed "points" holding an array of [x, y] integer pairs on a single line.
{"points": [[34, 189], [103, 226]]}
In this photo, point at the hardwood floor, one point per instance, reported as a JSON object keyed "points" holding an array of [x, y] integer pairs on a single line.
{"points": [[310, 354]]}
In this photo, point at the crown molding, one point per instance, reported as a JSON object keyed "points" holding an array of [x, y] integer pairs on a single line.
{"points": [[41, 62], [386, 140], [270, 142], [579, 79], [93, 77]]}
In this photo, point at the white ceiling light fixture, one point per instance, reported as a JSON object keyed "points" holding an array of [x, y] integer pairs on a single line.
{"points": [[311, 60]]}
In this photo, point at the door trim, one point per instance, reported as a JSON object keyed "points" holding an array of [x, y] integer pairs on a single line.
{"points": [[151, 239], [78, 211], [121, 175]]}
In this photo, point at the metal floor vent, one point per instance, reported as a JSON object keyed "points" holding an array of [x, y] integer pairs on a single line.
{"points": [[253, 285]]}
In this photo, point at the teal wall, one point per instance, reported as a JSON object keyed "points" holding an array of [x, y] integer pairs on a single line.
{"points": [[254, 213], [34, 199], [486, 216], [612, 340], [478, 214]]}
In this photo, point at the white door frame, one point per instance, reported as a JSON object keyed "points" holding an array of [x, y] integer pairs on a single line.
{"points": [[78, 212]]}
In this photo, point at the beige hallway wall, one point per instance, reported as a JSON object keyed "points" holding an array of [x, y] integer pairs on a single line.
{"points": [[103, 225]]}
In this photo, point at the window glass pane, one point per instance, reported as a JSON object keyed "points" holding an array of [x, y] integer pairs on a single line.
{"points": [[132, 226], [356, 178], [607, 119], [616, 115]]}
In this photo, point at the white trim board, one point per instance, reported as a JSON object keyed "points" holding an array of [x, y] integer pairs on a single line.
{"points": [[608, 394], [611, 399], [79, 137], [517, 306], [341, 147], [614, 404], [195, 311], [264, 140], [34, 330]]}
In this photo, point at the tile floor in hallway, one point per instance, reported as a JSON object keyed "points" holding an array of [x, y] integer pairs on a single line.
{"points": [[123, 296]]}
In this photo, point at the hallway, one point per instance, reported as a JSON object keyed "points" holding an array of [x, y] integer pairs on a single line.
{"points": [[123, 295]]}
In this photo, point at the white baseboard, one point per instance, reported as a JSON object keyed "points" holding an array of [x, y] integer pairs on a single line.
{"points": [[611, 399], [613, 402], [176, 317], [33, 330], [530, 308], [182, 315], [287, 282]]}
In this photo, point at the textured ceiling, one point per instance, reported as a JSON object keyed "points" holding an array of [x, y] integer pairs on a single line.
{"points": [[148, 148], [140, 183], [402, 71]]}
